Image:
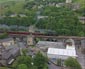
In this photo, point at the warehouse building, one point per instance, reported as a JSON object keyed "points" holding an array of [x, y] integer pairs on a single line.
{"points": [[63, 54], [69, 51]]}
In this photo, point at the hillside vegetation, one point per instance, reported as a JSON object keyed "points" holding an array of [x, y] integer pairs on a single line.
{"points": [[61, 19], [81, 10], [81, 2]]}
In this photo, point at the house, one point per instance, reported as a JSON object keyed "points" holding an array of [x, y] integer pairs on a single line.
{"points": [[42, 17], [15, 15], [8, 56], [70, 43], [6, 42], [1, 50], [69, 51], [75, 6], [82, 20], [60, 4], [68, 1], [32, 29], [30, 40]]}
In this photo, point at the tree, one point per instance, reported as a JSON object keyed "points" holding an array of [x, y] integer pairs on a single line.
{"points": [[8, 13], [25, 60], [81, 33], [22, 66], [4, 35], [64, 22], [40, 61], [72, 63], [24, 52]]}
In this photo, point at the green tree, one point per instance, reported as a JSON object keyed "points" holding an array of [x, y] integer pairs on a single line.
{"points": [[8, 13], [40, 61], [4, 35], [24, 52], [72, 63], [22, 66], [81, 33], [25, 60], [62, 20]]}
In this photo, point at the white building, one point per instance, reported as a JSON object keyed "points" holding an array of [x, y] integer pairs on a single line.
{"points": [[63, 54], [41, 17], [68, 1]]}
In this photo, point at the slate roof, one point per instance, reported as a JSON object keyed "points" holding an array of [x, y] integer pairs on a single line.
{"points": [[50, 44], [8, 53], [6, 39]]}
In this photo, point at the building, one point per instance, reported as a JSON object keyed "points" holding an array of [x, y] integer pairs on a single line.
{"points": [[15, 15], [6, 42], [2, 48], [59, 4], [42, 17], [8, 56], [70, 43], [75, 6], [82, 20], [69, 51], [68, 1], [55, 53], [50, 44], [30, 40], [32, 28]]}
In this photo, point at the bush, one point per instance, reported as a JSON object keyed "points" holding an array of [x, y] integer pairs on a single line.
{"points": [[4, 35], [72, 63]]}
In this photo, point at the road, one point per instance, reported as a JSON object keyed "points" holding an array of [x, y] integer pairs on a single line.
{"points": [[81, 58], [52, 66]]}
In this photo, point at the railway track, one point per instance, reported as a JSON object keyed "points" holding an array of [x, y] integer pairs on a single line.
{"points": [[40, 35]]}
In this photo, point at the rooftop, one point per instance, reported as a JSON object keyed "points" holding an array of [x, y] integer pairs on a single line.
{"points": [[6, 39], [71, 40], [50, 44], [8, 53], [64, 52]]}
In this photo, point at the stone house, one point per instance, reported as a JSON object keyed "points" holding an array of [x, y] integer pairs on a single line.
{"points": [[7, 57], [6, 42]]}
